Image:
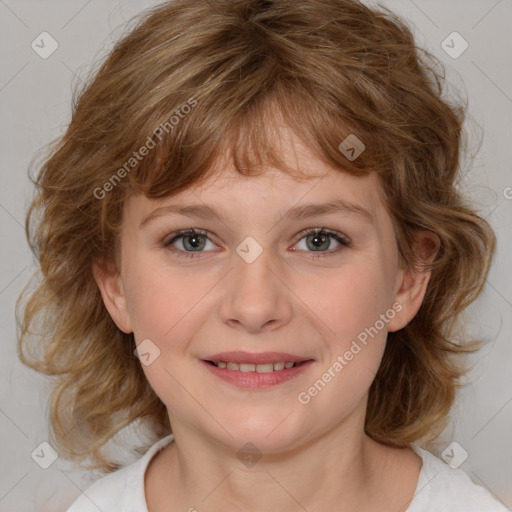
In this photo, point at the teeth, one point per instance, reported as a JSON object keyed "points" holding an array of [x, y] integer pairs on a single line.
{"points": [[259, 368], [265, 368]]}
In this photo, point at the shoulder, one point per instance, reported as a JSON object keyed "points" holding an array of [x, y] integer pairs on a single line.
{"points": [[122, 490], [444, 489]]}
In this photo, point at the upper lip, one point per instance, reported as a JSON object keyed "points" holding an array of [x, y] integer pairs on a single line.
{"points": [[255, 358]]}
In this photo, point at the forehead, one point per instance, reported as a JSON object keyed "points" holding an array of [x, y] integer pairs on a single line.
{"points": [[308, 178], [274, 187], [265, 202]]}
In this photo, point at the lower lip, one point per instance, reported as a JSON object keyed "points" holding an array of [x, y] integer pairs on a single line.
{"points": [[255, 380]]}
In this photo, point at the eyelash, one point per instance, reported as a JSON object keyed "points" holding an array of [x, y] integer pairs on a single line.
{"points": [[311, 231]]}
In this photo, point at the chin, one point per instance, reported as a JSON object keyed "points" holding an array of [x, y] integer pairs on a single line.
{"points": [[269, 433]]}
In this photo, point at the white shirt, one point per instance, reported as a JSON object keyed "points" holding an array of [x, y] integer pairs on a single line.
{"points": [[440, 488]]}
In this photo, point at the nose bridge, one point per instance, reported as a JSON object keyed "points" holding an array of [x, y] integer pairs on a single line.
{"points": [[255, 296], [253, 266]]}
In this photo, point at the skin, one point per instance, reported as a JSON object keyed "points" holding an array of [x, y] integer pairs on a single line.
{"points": [[314, 456]]}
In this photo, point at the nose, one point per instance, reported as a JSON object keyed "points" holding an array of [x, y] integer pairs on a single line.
{"points": [[256, 296]]}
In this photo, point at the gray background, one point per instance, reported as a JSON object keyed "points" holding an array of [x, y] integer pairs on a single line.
{"points": [[35, 105]]}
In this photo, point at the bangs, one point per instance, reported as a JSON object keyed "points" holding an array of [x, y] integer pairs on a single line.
{"points": [[249, 136]]}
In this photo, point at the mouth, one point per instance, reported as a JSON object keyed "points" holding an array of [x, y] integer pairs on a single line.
{"points": [[256, 370]]}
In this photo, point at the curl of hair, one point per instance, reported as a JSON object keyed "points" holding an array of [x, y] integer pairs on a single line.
{"points": [[325, 68]]}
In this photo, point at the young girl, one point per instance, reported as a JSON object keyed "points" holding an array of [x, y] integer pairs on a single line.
{"points": [[252, 242]]}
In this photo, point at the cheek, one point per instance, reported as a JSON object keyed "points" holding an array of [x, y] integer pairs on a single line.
{"points": [[164, 306], [160, 298], [350, 304], [347, 301]]}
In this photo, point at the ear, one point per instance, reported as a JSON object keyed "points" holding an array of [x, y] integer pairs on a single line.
{"points": [[412, 283], [112, 291]]}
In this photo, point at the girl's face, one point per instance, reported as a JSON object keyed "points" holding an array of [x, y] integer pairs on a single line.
{"points": [[251, 280]]}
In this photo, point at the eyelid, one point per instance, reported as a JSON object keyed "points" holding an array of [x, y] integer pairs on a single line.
{"points": [[342, 239], [183, 232], [327, 231]]}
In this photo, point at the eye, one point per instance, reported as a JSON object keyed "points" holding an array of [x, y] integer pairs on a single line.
{"points": [[191, 240], [319, 241]]}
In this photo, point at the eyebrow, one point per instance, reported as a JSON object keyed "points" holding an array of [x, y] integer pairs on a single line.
{"points": [[203, 211]]}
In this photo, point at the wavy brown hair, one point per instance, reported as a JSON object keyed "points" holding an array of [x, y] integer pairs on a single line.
{"points": [[327, 68]]}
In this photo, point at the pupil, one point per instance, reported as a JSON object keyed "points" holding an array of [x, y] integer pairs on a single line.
{"points": [[194, 241], [318, 239]]}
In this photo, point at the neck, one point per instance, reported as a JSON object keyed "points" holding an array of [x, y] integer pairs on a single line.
{"points": [[344, 470]]}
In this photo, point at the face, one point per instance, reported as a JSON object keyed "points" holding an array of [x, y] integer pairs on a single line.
{"points": [[260, 280]]}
